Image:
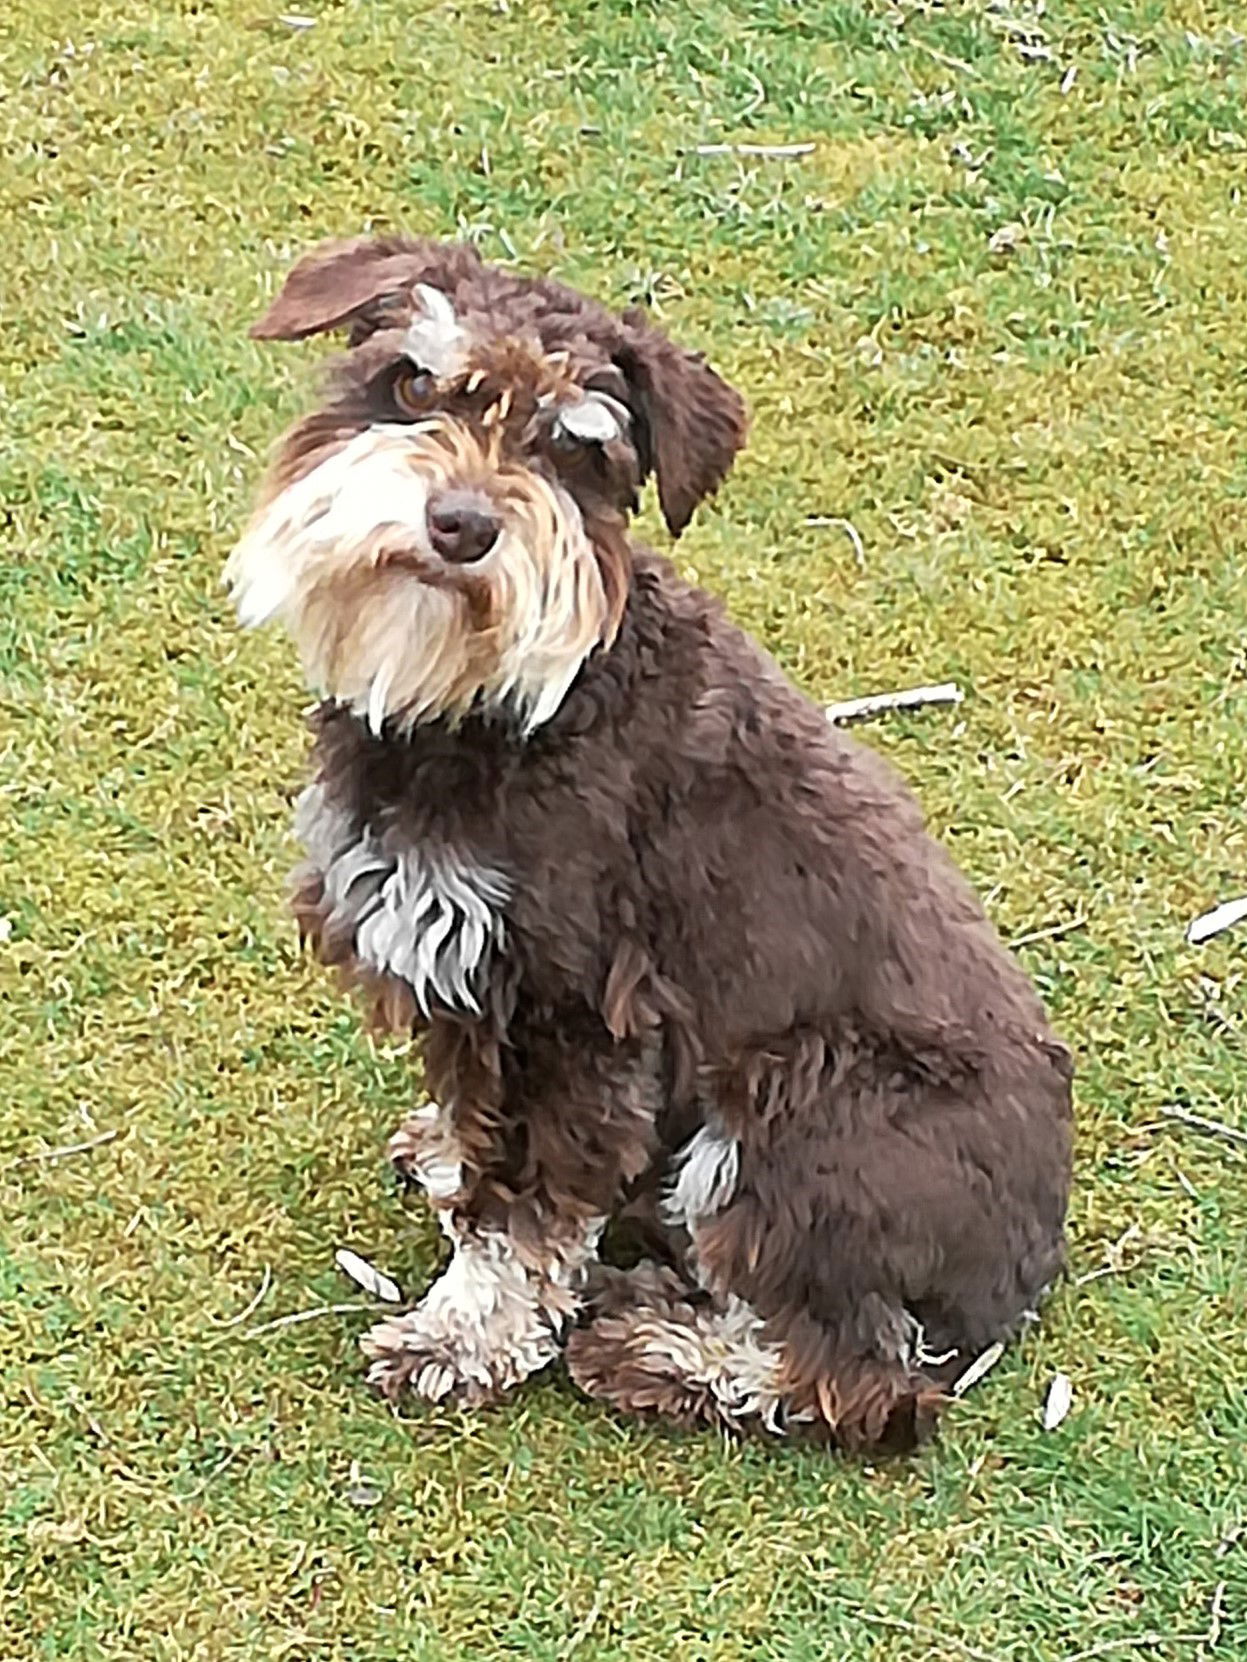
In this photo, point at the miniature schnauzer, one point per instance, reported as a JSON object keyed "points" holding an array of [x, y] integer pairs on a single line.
{"points": [[694, 983]]}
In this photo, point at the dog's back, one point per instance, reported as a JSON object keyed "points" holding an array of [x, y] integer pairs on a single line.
{"points": [[875, 1068]]}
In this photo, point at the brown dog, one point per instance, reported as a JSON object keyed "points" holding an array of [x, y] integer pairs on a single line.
{"points": [[681, 953]]}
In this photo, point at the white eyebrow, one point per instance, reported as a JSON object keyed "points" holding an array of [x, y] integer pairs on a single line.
{"points": [[596, 419], [436, 340]]}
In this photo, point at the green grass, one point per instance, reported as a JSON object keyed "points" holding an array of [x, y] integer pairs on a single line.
{"points": [[1041, 450]]}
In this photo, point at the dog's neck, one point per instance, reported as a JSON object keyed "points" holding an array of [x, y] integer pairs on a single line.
{"points": [[602, 690]]}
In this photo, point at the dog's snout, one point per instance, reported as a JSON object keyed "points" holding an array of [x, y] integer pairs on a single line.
{"points": [[462, 526]]}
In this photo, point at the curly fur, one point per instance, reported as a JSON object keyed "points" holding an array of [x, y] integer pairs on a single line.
{"points": [[728, 987]]}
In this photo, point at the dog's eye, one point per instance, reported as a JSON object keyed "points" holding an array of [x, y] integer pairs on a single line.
{"points": [[411, 390]]}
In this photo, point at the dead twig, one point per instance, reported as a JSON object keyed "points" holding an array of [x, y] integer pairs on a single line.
{"points": [[266, 1282], [1216, 1610], [949, 62], [847, 526], [1136, 1641], [1216, 1128], [298, 1316], [1052, 933], [1114, 1266], [1222, 917], [929, 1634], [913, 698], [194, 1494], [770, 151], [49, 1154]]}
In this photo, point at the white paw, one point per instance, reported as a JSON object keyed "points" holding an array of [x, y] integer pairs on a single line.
{"points": [[483, 1328], [410, 1353]]}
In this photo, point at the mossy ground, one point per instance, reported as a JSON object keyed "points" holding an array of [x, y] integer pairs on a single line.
{"points": [[1039, 442]]}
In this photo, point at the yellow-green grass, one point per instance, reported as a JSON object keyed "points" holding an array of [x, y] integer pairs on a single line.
{"points": [[1039, 444]]}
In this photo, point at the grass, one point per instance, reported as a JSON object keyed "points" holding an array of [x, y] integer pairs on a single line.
{"points": [[1038, 441]]}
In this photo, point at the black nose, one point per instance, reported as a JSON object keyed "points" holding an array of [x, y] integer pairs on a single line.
{"points": [[462, 526]]}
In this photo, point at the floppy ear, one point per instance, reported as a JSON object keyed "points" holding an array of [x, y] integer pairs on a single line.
{"points": [[690, 422], [333, 284]]}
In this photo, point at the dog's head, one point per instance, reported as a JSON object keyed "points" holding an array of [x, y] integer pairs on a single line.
{"points": [[448, 531]]}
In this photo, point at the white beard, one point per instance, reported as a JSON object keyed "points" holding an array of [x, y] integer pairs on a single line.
{"points": [[325, 559]]}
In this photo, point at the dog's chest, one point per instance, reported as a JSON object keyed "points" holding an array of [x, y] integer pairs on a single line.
{"points": [[427, 912]]}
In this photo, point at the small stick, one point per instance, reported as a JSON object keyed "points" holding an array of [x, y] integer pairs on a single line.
{"points": [[1113, 1252], [1216, 1611], [298, 1316], [913, 698], [978, 1369], [948, 62], [1185, 1184], [1138, 1641], [266, 1282], [194, 1494], [770, 150], [1220, 918], [927, 1633], [70, 1148], [1217, 1127], [847, 526], [1050, 934]]}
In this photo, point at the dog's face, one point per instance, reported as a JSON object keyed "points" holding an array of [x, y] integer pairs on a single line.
{"points": [[448, 531]]}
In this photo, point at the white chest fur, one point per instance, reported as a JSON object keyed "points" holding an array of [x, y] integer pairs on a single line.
{"points": [[428, 913]]}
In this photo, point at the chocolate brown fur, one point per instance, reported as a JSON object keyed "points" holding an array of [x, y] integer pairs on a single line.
{"points": [[720, 913]]}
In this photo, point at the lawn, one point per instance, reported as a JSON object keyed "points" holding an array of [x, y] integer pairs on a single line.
{"points": [[996, 320]]}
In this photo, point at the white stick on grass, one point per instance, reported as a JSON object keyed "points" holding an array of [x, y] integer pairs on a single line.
{"points": [[841, 524], [297, 1317], [1220, 918], [252, 1305], [1052, 933], [1217, 1128], [774, 151], [47, 1154], [913, 698], [978, 1369]]}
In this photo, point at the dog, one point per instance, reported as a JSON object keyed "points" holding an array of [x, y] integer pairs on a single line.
{"points": [[738, 1099]]}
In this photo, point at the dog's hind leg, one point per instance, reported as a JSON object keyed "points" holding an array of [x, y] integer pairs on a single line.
{"points": [[653, 1344]]}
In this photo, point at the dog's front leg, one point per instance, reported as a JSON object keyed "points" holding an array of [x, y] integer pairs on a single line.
{"points": [[497, 1312], [524, 1230]]}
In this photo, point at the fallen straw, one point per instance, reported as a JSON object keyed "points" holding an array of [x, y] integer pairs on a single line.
{"points": [[978, 1369], [48, 1154], [1212, 923], [1215, 1128], [774, 151], [913, 698]]}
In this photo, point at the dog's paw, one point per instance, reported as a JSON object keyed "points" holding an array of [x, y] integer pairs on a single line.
{"points": [[419, 1352], [404, 1357], [425, 1152]]}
